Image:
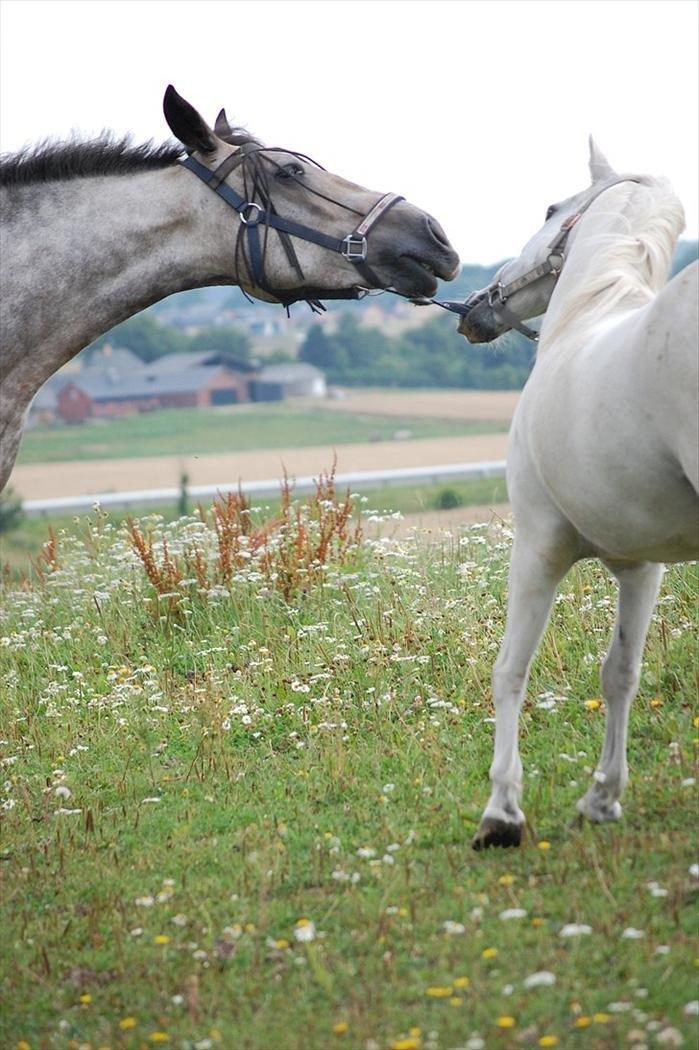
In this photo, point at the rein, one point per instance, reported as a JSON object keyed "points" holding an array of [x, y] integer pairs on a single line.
{"points": [[252, 216]]}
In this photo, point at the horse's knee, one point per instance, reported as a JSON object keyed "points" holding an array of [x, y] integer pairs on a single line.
{"points": [[620, 676]]}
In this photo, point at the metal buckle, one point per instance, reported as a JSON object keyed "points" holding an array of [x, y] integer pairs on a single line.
{"points": [[354, 248], [245, 217], [494, 290], [557, 266]]}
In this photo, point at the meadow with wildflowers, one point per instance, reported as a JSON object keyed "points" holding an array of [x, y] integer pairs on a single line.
{"points": [[242, 760]]}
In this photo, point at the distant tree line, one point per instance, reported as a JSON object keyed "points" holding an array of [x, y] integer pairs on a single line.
{"points": [[148, 338], [432, 355]]}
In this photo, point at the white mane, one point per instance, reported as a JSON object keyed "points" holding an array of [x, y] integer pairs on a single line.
{"points": [[629, 267]]}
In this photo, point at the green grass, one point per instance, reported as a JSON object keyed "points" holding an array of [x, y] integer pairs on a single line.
{"points": [[247, 427], [249, 763]]}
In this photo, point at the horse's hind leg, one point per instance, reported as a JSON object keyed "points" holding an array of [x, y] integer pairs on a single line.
{"points": [[638, 589], [534, 574]]}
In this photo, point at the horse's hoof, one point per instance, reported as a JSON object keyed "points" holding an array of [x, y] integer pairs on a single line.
{"points": [[496, 832], [598, 809]]}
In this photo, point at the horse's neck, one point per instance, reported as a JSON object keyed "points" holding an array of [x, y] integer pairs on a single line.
{"points": [[595, 284], [99, 250]]}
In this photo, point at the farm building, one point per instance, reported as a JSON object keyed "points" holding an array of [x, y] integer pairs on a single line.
{"points": [[116, 383], [200, 386], [295, 379]]}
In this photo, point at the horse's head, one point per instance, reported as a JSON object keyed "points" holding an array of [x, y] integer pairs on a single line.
{"points": [[522, 287], [299, 231]]}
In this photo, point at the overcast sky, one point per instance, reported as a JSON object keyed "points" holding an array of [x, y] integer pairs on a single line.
{"points": [[477, 111]]}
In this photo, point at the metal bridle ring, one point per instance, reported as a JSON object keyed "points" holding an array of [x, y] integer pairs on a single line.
{"points": [[493, 291], [245, 218]]}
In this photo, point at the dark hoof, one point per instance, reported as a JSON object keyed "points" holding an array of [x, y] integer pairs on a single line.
{"points": [[494, 832]]}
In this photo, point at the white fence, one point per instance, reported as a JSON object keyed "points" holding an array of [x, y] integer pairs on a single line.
{"points": [[363, 479]]}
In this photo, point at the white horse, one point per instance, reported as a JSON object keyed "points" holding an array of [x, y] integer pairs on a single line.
{"points": [[604, 445]]}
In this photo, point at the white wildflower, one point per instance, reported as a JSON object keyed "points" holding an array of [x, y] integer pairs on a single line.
{"points": [[669, 1037], [513, 913], [453, 928], [575, 929], [305, 930], [632, 934], [540, 979]]}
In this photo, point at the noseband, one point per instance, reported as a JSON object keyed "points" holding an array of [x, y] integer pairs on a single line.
{"points": [[498, 293], [254, 215]]}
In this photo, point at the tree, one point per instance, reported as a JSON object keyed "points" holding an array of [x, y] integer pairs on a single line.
{"points": [[224, 339], [144, 336]]}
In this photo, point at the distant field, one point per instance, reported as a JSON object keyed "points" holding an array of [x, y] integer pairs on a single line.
{"points": [[189, 432]]}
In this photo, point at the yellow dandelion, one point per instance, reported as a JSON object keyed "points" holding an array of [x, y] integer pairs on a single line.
{"points": [[86, 999], [282, 943], [406, 1044], [23, 1045], [455, 1000], [340, 1027], [216, 1035], [582, 1022], [506, 880], [548, 1040], [656, 702], [544, 844], [127, 1023], [402, 912], [415, 1032], [159, 1037], [696, 723], [438, 991], [462, 982], [505, 1021], [161, 938], [593, 705], [600, 1018], [537, 921], [489, 953], [250, 927]]}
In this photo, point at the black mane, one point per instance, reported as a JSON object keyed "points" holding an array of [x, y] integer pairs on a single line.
{"points": [[50, 161]]}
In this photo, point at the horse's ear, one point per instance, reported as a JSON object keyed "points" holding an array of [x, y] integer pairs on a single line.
{"points": [[186, 124], [600, 168], [222, 126]]}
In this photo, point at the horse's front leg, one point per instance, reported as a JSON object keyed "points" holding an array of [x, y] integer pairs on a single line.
{"points": [[534, 574], [638, 590]]}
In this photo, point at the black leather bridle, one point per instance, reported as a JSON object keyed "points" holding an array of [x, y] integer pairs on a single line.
{"points": [[255, 216]]}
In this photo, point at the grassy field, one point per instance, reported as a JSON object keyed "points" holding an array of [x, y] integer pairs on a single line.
{"points": [[242, 428], [21, 544], [240, 780]]}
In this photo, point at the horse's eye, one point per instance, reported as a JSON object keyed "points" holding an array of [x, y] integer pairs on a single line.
{"points": [[289, 171], [551, 210]]}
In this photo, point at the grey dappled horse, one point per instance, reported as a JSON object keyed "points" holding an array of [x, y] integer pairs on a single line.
{"points": [[603, 457], [93, 232]]}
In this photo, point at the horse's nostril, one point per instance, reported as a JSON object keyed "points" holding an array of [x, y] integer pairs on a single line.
{"points": [[437, 232]]}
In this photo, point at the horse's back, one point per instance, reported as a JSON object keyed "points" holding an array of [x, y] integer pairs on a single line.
{"points": [[611, 429], [670, 353]]}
